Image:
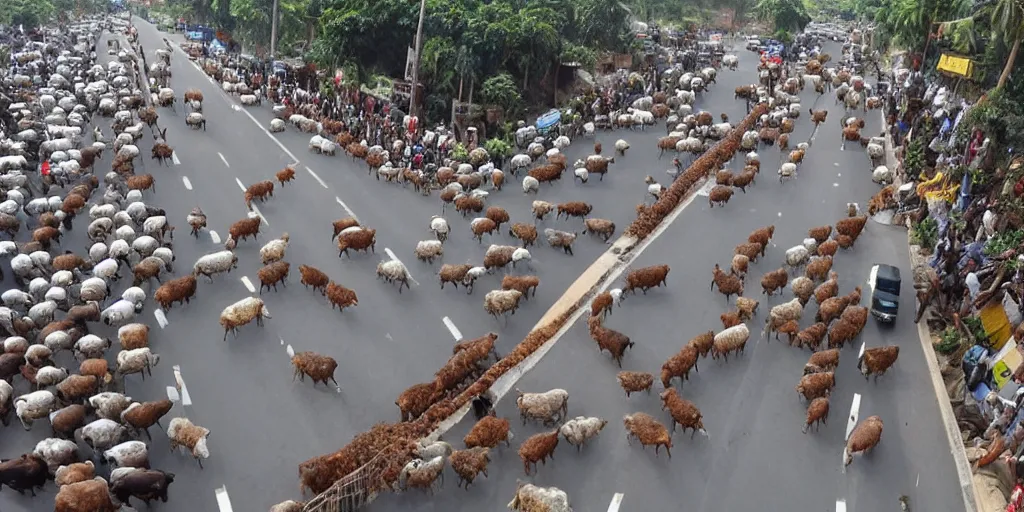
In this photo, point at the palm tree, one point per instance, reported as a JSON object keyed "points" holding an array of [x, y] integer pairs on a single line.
{"points": [[1008, 20]]}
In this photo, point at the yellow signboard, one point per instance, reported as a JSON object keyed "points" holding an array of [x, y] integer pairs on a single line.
{"points": [[956, 65], [1007, 360]]}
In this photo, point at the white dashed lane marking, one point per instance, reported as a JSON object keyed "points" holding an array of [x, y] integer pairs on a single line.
{"points": [[214, 236], [240, 184], [452, 329], [174, 158], [161, 318], [179, 382], [248, 284], [222, 159], [346, 208], [616, 501], [840, 505], [188, 184], [223, 500]]}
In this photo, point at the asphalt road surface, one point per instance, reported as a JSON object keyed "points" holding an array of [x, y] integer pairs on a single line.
{"points": [[263, 424], [756, 457]]}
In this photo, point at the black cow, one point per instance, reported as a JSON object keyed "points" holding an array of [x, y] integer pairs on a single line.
{"points": [[144, 484], [27, 472]]}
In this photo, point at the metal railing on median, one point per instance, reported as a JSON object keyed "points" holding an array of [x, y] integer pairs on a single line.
{"points": [[356, 490]]}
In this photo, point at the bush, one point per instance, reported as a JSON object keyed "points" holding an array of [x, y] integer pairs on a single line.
{"points": [[498, 149], [501, 90], [925, 233], [459, 153]]}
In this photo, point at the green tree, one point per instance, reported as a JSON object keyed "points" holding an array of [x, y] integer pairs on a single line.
{"points": [[27, 13], [788, 15], [1008, 20]]}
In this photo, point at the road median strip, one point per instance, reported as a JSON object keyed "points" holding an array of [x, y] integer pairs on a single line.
{"points": [[385, 448]]}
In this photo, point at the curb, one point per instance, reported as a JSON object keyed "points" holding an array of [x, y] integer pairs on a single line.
{"points": [[949, 423]]}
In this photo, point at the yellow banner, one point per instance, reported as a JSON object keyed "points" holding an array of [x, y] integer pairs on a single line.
{"points": [[956, 65]]}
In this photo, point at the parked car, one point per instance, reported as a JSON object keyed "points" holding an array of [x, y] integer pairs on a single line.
{"points": [[885, 292]]}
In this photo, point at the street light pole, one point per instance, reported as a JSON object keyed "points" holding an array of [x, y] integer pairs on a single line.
{"points": [[416, 60], [273, 32]]}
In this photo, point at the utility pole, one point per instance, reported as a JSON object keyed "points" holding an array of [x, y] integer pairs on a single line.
{"points": [[416, 60], [273, 33]]}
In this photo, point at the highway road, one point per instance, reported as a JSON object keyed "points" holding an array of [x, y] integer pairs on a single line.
{"points": [[756, 457], [241, 389]]}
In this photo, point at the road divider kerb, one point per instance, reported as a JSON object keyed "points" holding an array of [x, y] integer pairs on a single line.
{"points": [[594, 280]]}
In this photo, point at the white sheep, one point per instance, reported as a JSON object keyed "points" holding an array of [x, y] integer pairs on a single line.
{"points": [[33, 406], [811, 245], [431, 450], [797, 256], [394, 271], [16, 298], [103, 434], [427, 250], [520, 162], [580, 429], [422, 473], [38, 355], [550, 406], [155, 226], [215, 263], [277, 125], [119, 313], [42, 313], [58, 340], [439, 226], [783, 313], [502, 302], [182, 432], [14, 344], [62, 278], [530, 497], [241, 313], [562, 142], [472, 275], [110, 405], [136, 296], [274, 250], [786, 171], [56, 452], [582, 174], [94, 288], [139, 360], [50, 376], [145, 245], [875, 151], [126, 233], [882, 175], [530, 184], [129, 454], [621, 146], [166, 255], [520, 255]]}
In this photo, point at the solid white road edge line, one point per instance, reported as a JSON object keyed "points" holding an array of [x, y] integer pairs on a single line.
{"points": [[214, 236], [317, 178], [346, 208], [616, 501], [161, 318], [840, 505], [223, 500], [248, 284], [451, 328], [222, 159], [392, 256], [188, 184], [505, 383], [174, 158], [180, 383]]}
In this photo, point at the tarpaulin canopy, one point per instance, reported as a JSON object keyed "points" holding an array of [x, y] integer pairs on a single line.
{"points": [[549, 119]]}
